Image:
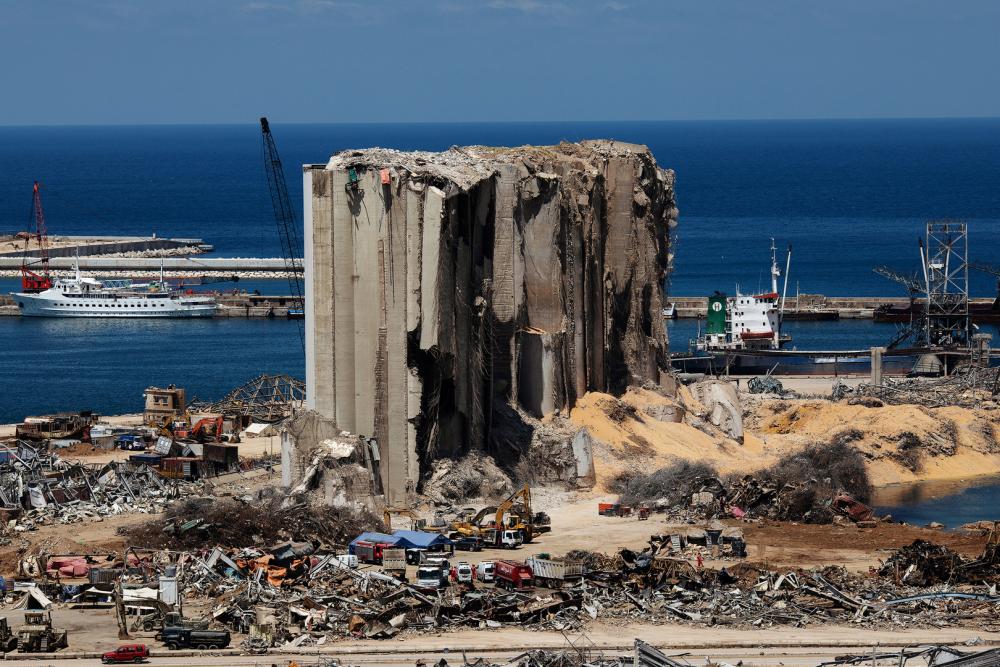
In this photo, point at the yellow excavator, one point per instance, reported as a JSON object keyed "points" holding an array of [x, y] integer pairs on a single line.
{"points": [[515, 513], [389, 512]]}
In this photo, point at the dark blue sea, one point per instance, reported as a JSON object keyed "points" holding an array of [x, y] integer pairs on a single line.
{"points": [[846, 194]]}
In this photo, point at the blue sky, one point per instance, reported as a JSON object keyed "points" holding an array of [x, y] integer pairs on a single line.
{"points": [[221, 61]]}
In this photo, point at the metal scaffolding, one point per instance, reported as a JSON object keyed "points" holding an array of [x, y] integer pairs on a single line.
{"points": [[946, 275], [266, 398]]}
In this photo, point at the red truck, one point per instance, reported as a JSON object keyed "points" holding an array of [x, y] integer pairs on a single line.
{"points": [[126, 653], [371, 552], [513, 574]]}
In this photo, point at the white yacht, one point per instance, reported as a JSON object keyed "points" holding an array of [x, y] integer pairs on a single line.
{"points": [[87, 297]]}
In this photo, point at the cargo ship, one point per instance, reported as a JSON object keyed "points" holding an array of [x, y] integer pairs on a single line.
{"points": [[743, 337]]}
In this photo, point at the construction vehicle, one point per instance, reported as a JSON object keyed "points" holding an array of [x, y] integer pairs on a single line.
{"points": [[416, 523], [177, 637], [515, 513], [554, 573], [37, 634], [30, 280], [206, 429], [513, 574], [8, 642], [394, 562]]}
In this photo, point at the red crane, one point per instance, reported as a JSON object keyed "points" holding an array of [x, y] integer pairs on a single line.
{"points": [[31, 281]]}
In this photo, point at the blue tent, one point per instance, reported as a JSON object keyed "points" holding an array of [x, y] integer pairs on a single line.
{"points": [[404, 539], [420, 539]]}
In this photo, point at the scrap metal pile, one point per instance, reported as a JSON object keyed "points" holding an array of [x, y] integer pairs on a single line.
{"points": [[967, 387], [645, 655], [38, 487], [312, 597]]}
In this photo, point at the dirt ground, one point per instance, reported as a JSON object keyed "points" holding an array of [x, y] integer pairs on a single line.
{"points": [[92, 629]]}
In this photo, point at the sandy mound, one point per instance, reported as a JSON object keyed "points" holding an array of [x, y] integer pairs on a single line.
{"points": [[903, 443], [645, 430], [638, 432]]}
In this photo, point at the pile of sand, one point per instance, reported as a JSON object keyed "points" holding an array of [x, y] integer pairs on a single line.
{"points": [[645, 430], [638, 432]]}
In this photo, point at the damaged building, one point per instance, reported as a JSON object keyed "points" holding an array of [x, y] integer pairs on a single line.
{"points": [[449, 293]]}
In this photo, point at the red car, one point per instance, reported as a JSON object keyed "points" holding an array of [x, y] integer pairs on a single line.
{"points": [[126, 653]]}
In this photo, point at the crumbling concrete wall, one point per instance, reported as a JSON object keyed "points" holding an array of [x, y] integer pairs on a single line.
{"points": [[445, 288]]}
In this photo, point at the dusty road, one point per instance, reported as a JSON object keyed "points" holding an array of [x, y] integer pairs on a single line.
{"points": [[91, 631]]}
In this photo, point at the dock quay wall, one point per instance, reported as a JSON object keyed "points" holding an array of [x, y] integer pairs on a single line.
{"points": [[172, 266], [814, 306]]}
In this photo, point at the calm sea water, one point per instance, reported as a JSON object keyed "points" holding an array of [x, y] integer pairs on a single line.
{"points": [[846, 194], [953, 504]]}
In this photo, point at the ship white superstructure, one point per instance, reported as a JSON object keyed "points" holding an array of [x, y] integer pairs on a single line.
{"points": [[87, 297]]}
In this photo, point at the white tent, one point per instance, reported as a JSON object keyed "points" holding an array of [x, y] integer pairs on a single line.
{"points": [[258, 430]]}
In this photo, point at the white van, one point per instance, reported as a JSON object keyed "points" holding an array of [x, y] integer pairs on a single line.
{"points": [[486, 571]]}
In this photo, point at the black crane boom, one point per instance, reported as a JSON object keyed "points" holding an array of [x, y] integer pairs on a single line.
{"points": [[284, 215]]}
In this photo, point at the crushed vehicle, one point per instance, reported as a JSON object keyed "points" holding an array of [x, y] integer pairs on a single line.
{"points": [[8, 641]]}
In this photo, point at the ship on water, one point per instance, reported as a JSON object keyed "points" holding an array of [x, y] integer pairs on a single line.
{"points": [[41, 296], [87, 297], [743, 336]]}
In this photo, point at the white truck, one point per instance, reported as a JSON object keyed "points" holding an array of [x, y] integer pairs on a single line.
{"points": [[554, 573], [394, 562]]}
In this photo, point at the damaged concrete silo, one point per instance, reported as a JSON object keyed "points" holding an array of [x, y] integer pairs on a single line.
{"points": [[445, 291]]}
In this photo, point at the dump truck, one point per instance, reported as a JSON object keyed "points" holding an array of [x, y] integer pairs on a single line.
{"points": [[38, 636], [513, 574], [394, 562], [554, 573]]}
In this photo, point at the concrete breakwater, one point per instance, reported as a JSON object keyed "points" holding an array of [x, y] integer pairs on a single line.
{"points": [[145, 267], [84, 246]]}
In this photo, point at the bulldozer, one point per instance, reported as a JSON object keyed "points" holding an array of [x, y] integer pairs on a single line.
{"points": [[38, 636]]}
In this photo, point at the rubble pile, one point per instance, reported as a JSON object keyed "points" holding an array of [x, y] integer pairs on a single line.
{"points": [[203, 522], [926, 564], [669, 487], [324, 599], [38, 487], [814, 485], [968, 387], [471, 476]]}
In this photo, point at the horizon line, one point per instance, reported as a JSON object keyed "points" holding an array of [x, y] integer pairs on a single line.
{"points": [[504, 122]]}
